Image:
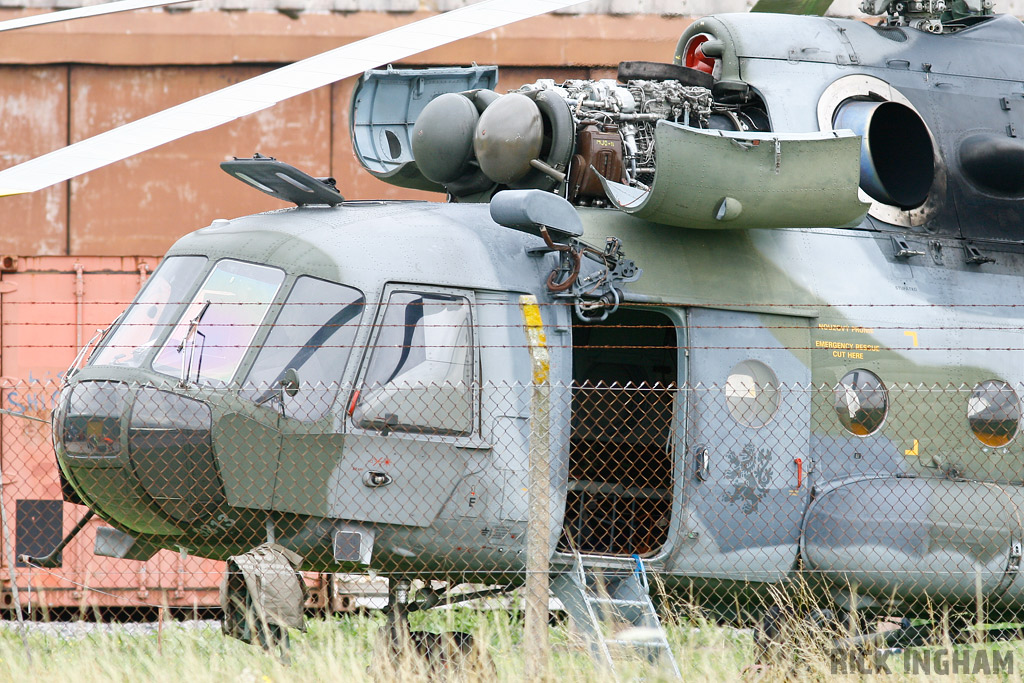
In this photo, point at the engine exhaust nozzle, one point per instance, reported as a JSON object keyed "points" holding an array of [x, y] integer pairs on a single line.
{"points": [[897, 161]]}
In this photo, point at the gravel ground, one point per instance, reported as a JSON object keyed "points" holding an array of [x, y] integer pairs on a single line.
{"points": [[72, 630]]}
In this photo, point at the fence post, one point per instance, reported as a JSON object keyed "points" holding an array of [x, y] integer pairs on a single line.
{"points": [[11, 562], [538, 528]]}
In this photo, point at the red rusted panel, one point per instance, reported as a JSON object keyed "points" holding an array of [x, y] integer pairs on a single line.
{"points": [[510, 78], [255, 37], [143, 204], [33, 109], [46, 305]]}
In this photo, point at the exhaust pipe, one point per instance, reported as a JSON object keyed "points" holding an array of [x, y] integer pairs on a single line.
{"points": [[897, 159]]}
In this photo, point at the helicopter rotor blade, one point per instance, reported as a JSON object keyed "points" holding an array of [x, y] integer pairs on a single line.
{"points": [[808, 7], [268, 89], [83, 12]]}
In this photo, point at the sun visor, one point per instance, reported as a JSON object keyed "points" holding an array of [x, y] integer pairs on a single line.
{"points": [[721, 180], [385, 105]]}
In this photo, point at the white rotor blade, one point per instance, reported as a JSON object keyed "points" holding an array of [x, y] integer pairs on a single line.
{"points": [[83, 12], [268, 89]]}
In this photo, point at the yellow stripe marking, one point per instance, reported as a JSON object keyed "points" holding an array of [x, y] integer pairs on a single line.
{"points": [[535, 338]]}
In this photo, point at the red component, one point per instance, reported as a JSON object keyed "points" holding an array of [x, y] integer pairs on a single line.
{"points": [[694, 57], [799, 472], [353, 402]]}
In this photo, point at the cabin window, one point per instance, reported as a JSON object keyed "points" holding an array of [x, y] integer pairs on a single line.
{"points": [[155, 308], [312, 335], [993, 412], [420, 373], [861, 402], [221, 321], [752, 393]]}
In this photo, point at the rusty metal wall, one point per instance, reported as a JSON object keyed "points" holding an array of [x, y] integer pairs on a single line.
{"points": [[33, 109], [142, 205], [47, 305]]}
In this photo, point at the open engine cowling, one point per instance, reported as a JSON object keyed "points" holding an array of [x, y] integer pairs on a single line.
{"points": [[658, 146]]}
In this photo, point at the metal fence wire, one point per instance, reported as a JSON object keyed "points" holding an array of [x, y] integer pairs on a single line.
{"points": [[900, 494]]}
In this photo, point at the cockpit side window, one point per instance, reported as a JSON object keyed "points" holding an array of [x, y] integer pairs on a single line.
{"points": [[313, 335], [420, 374], [219, 324], [155, 309]]}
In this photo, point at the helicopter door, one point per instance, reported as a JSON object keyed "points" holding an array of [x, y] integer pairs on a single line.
{"points": [[622, 436], [747, 446], [298, 374], [414, 415]]}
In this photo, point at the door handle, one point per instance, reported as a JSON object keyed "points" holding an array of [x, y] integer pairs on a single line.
{"points": [[375, 479], [701, 463]]}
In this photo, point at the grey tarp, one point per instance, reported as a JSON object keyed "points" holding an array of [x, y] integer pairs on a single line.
{"points": [[262, 590]]}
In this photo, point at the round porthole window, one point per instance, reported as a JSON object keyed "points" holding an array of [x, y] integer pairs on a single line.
{"points": [[861, 402], [993, 411], [752, 393]]}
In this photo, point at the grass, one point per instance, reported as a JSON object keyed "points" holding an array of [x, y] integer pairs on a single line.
{"points": [[349, 648]]}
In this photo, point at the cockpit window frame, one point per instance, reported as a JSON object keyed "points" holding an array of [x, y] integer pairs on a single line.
{"points": [[246, 358], [278, 308], [389, 289], [157, 342]]}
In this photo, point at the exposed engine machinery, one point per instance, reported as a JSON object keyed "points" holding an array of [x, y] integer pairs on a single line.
{"points": [[567, 136]]}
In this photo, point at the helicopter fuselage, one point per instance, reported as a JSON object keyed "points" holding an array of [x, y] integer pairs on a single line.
{"points": [[186, 430]]}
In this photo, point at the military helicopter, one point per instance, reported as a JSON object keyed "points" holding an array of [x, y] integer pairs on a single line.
{"points": [[818, 213]]}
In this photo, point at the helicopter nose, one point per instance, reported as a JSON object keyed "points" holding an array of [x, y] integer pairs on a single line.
{"points": [[143, 457]]}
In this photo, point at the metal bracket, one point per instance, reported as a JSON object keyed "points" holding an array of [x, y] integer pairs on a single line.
{"points": [[375, 479], [597, 294], [701, 463], [974, 256], [1013, 560], [901, 248]]}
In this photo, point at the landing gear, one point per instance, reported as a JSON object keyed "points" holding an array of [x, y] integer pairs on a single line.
{"points": [[397, 610], [852, 642], [441, 652]]}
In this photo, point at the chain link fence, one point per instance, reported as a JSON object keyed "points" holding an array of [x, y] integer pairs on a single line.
{"points": [[890, 497]]}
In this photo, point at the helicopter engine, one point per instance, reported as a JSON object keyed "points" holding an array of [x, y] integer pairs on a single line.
{"points": [[545, 134]]}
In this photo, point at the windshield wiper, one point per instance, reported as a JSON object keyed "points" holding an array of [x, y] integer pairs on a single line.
{"points": [[189, 340]]}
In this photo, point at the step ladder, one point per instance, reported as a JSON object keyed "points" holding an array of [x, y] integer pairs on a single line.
{"points": [[598, 600]]}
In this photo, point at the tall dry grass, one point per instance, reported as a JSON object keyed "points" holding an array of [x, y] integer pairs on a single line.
{"points": [[350, 648]]}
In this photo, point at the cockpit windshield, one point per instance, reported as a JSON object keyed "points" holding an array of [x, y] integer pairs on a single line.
{"points": [[313, 335], [157, 307], [220, 322]]}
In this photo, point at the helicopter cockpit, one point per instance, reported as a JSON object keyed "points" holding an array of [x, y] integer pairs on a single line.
{"points": [[205, 337]]}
